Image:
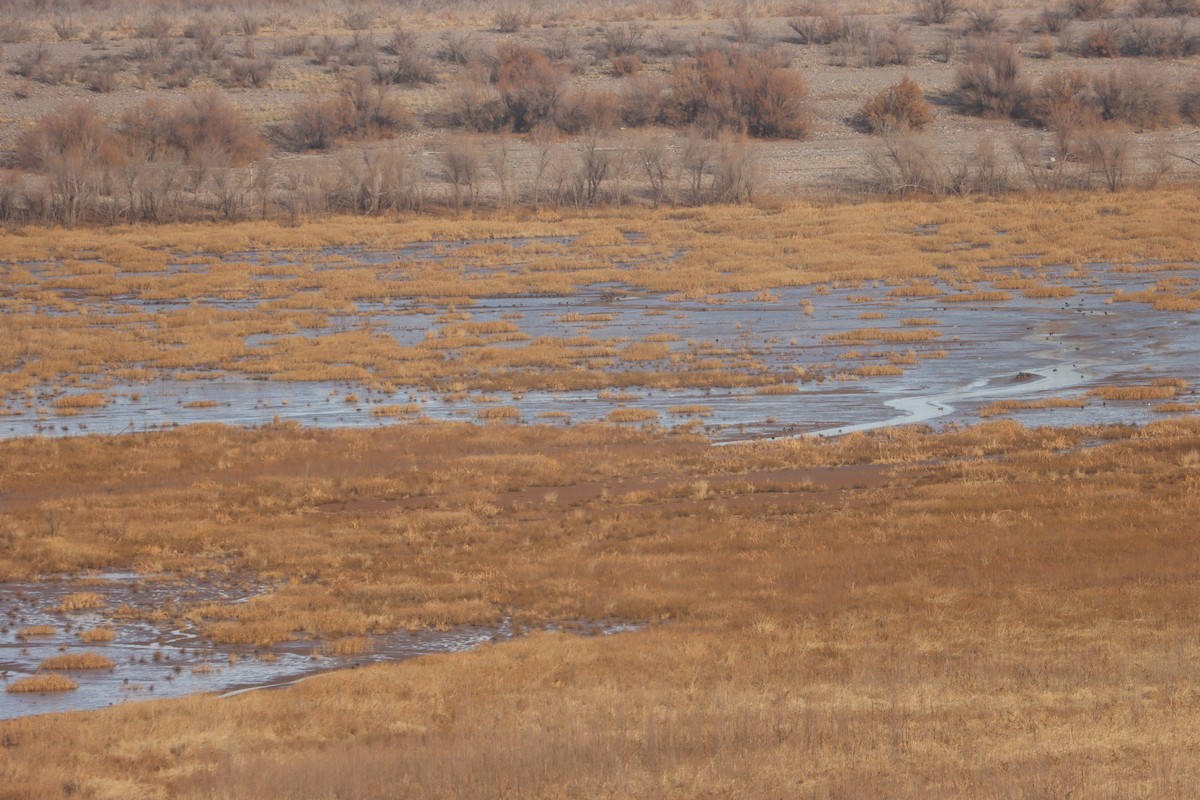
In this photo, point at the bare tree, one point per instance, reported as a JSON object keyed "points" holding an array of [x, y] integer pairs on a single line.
{"points": [[462, 159], [1107, 148], [653, 157], [499, 164], [737, 170], [696, 160]]}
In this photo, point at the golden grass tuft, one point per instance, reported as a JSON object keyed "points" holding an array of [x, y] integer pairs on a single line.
{"points": [[348, 646], [873, 370], [632, 415], [36, 630], [86, 400], [1005, 406], [498, 413], [97, 635], [867, 335], [1158, 390], [78, 661], [42, 683], [79, 601]]}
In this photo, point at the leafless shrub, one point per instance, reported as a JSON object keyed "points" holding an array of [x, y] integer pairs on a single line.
{"points": [[1103, 41], [65, 27], [325, 50], [1136, 96], [586, 110], [1053, 19], [474, 104], [737, 170], [936, 12], [101, 75], [317, 122], [1108, 149], [984, 170], [891, 46], [205, 35], [668, 45], [249, 23], [16, 29], [642, 101], [945, 48], [652, 156], [412, 64], [1166, 8], [983, 18], [512, 17], [624, 39], [376, 179], [359, 19], [153, 27], [37, 64], [462, 159], [1065, 103], [298, 45], [900, 106], [990, 83], [255, 72], [72, 147], [695, 161], [743, 28], [1089, 9], [1189, 107], [825, 25], [530, 86], [459, 47], [733, 89], [375, 110], [1044, 47], [1160, 39], [907, 163], [625, 65]]}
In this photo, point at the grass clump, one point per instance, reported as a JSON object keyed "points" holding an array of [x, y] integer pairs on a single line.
{"points": [[78, 661], [41, 683]]}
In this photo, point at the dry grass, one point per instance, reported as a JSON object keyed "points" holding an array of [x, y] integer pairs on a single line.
{"points": [[97, 635], [880, 615], [1160, 389], [36, 630], [42, 683], [1005, 406], [78, 661], [79, 601], [53, 313], [632, 415], [347, 646]]}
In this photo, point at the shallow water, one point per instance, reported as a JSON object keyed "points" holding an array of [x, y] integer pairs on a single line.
{"points": [[1070, 346], [163, 659]]}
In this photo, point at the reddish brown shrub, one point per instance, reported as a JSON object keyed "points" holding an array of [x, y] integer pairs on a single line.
{"points": [[588, 110], [530, 86], [753, 92], [900, 106], [642, 101], [990, 82], [201, 125], [1104, 41], [317, 122]]}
